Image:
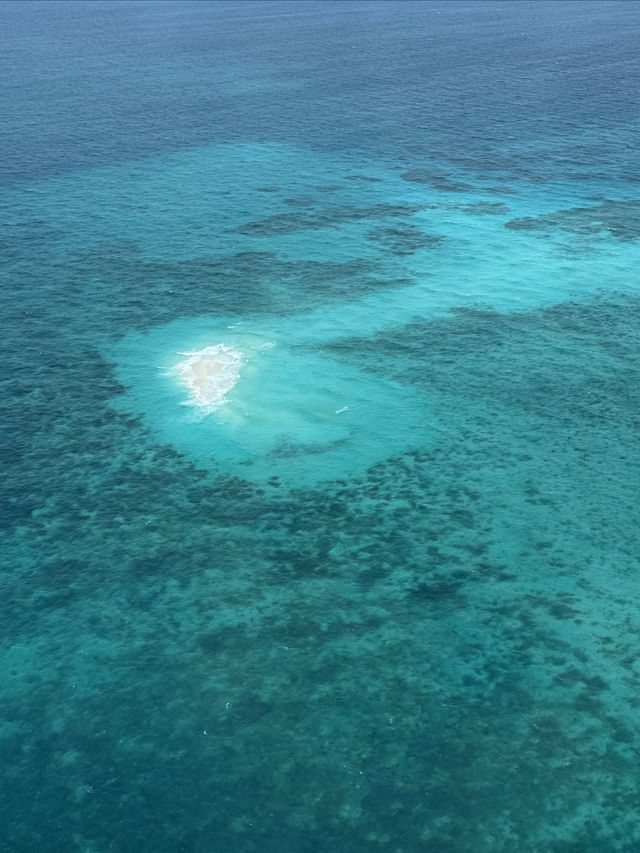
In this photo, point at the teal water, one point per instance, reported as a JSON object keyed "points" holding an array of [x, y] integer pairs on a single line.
{"points": [[380, 594]]}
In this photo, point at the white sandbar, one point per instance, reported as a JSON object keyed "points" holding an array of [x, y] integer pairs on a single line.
{"points": [[209, 374]]}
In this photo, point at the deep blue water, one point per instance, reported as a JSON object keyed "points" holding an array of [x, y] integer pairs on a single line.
{"points": [[320, 412]]}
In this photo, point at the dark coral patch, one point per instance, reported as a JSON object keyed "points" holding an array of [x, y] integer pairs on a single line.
{"points": [[289, 223], [484, 207], [436, 590], [119, 275], [436, 180], [621, 219], [300, 201], [404, 241], [502, 190]]}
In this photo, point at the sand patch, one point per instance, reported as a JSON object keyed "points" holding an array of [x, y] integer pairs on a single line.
{"points": [[209, 374]]}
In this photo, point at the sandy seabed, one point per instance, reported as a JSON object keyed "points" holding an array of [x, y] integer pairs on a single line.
{"points": [[209, 374]]}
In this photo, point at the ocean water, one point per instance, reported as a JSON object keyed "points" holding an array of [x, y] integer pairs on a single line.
{"points": [[320, 410]]}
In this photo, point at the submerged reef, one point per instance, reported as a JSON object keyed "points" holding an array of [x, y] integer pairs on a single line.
{"points": [[289, 223], [404, 241], [437, 180], [621, 219]]}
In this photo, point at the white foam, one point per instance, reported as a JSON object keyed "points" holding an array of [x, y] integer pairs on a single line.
{"points": [[209, 374]]}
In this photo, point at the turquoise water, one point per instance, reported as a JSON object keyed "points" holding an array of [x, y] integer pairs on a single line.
{"points": [[380, 594]]}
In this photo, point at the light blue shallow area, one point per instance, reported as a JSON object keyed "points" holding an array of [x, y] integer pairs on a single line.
{"points": [[384, 598], [294, 414]]}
